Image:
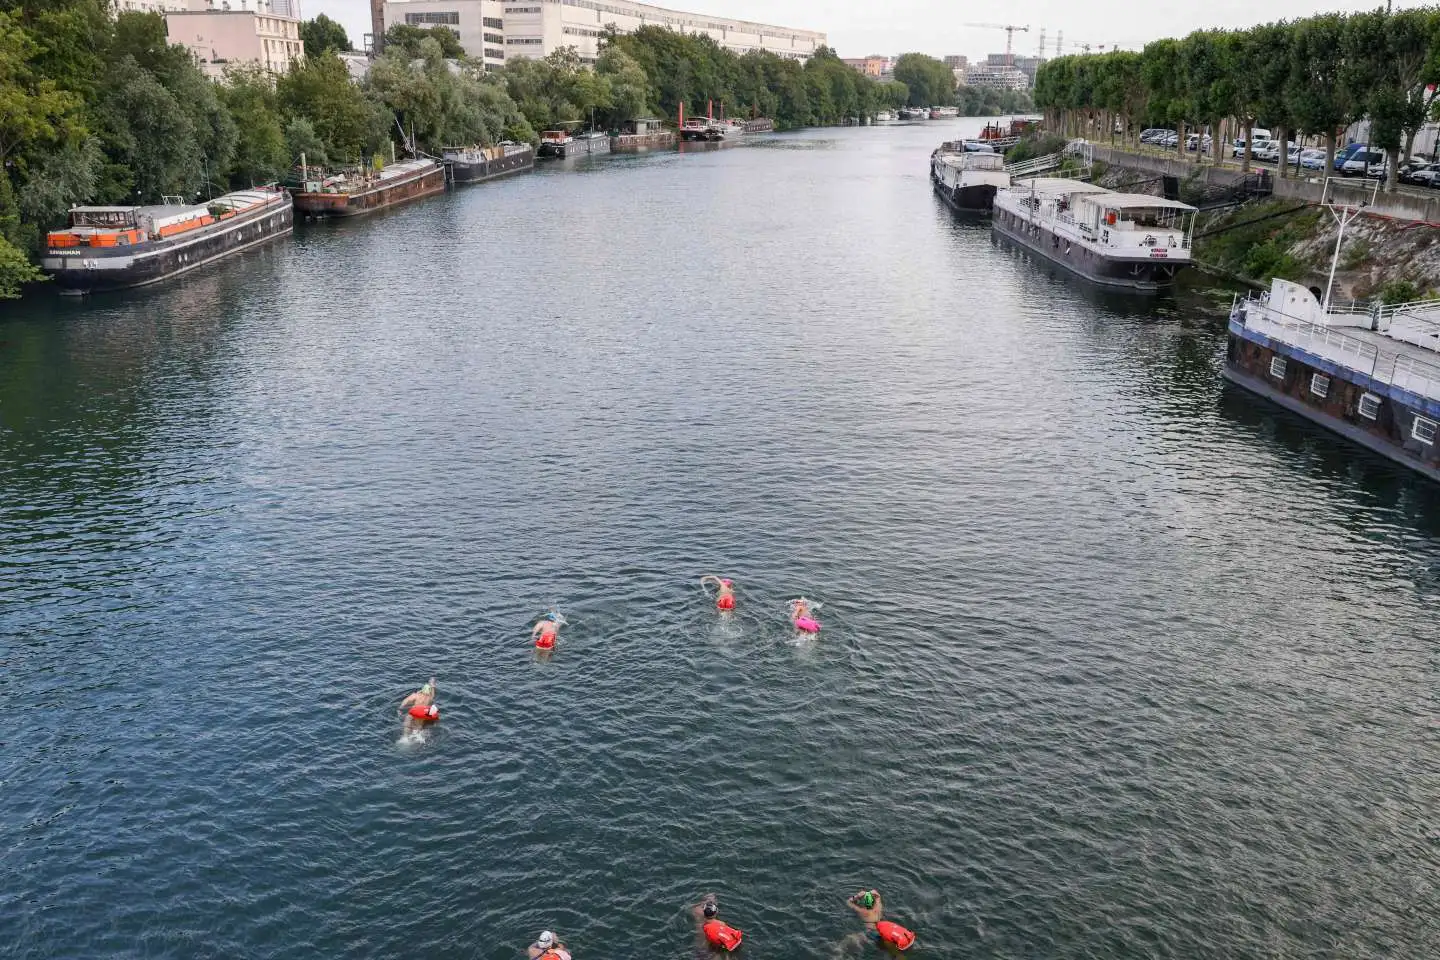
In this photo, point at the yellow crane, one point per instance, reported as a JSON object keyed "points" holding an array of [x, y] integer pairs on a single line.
{"points": [[1009, 29]]}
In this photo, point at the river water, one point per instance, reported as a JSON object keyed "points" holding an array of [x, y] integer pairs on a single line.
{"points": [[1115, 663]]}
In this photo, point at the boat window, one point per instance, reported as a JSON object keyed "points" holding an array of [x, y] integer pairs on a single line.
{"points": [[1369, 406], [1277, 367], [1319, 384], [1424, 430]]}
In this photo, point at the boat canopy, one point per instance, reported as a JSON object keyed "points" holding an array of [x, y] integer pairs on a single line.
{"points": [[1126, 201], [1058, 185]]}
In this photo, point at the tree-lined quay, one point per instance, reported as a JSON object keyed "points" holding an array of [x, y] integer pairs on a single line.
{"points": [[1310, 77]]}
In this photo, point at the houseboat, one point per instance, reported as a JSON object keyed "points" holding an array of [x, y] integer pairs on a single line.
{"points": [[476, 164], [562, 144], [1371, 375], [944, 113], [645, 133], [716, 131], [1122, 241], [110, 248], [885, 116], [354, 193], [967, 174], [914, 113]]}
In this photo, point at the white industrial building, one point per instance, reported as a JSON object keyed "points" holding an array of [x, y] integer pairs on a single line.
{"points": [[495, 31]]}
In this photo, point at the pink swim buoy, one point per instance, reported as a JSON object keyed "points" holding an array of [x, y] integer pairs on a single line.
{"points": [[806, 624]]}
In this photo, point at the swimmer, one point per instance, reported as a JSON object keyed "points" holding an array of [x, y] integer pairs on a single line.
{"points": [[802, 614], [424, 699], [549, 947], [871, 909], [710, 931], [724, 591], [546, 630]]}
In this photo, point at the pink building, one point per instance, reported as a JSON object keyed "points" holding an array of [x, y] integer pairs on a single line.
{"points": [[224, 33]]}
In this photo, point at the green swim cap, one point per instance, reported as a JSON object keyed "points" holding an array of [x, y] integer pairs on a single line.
{"points": [[867, 899]]}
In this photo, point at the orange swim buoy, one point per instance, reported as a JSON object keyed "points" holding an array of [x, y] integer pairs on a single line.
{"points": [[546, 640], [430, 713], [725, 602], [722, 935], [894, 934]]}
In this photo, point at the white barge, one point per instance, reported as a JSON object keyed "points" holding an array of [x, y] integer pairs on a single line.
{"points": [[968, 175], [1123, 241]]}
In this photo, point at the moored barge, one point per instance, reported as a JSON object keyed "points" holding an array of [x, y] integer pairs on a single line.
{"points": [[1128, 242], [352, 194], [477, 164], [967, 175], [111, 248], [562, 144], [1371, 375]]}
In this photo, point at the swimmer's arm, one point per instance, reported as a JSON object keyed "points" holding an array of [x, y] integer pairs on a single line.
{"points": [[410, 700]]}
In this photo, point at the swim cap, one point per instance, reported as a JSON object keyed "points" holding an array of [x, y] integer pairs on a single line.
{"points": [[546, 938], [725, 581], [427, 689], [711, 908], [867, 899]]}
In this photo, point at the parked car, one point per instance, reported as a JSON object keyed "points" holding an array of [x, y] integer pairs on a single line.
{"points": [[1312, 158], [1193, 139], [1170, 139], [1256, 145], [1423, 175], [1362, 162], [1269, 153], [1345, 153], [1152, 134]]}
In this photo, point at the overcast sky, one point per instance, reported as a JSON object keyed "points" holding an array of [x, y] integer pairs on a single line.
{"points": [[860, 27]]}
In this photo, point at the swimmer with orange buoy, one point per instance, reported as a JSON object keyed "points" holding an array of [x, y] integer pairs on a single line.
{"points": [[548, 947], [724, 591], [802, 615], [871, 908], [710, 930], [419, 708], [547, 630]]}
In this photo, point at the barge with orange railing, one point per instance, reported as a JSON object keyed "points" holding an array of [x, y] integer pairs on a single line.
{"points": [[111, 248], [352, 193]]}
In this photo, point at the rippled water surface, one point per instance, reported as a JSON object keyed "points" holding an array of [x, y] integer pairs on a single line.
{"points": [[1115, 663]]}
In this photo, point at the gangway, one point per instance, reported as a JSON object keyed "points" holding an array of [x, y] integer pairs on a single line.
{"points": [[1078, 150]]}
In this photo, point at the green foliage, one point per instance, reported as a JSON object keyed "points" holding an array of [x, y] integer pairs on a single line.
{"points": [[405, 40], [1035, 145], [323, 35], [319, 89], [1399, 291], [990, 102], [1268, 260], [303, 144], [443, 106], [260, 156], [1356, 255], [930, 82], [15, 270]]}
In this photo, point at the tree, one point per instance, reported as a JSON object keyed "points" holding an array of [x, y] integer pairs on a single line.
{"points": [[323, 35], [930, 82], [403, 39], [260, 156], [629, 87], [1320, 99], [15, 270], [319, 89]]}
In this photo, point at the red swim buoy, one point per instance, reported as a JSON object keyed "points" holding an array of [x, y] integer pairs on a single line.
{"points": [[546, 641], [430, 713], [726, 602], [722, 935], [894, 934]]}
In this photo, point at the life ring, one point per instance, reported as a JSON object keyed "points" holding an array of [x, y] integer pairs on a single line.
{"points": [[429, 714]]}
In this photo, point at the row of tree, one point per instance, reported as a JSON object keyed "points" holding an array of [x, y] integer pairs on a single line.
{"points": [[1314, 76]]}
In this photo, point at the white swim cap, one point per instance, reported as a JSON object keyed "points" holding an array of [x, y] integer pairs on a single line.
{"points": [[547, 938]]}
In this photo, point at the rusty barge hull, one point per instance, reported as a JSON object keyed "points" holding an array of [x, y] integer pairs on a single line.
{"points": [[379, 197], [1250, 363]]}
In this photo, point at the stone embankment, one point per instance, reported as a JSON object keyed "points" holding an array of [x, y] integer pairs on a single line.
{"points": [[1391, 250]]}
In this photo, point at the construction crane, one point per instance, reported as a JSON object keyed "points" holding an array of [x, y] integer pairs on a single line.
{"points": [[1009, 36]]}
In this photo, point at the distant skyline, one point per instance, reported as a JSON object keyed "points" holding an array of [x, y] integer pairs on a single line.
{"points": [[858, 29]]}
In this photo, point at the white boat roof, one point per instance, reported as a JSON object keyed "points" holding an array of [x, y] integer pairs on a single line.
{"points": [[1125, 201], [1057, 185]]}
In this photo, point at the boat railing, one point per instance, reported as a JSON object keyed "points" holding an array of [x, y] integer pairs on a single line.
{"points": [[1258, 315], [1416, 376]]}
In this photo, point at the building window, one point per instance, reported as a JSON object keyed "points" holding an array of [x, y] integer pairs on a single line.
{"points": [[1424, 430], [447, 18], [522, 41], [1319, 385], [522, 9], [494, 22], [494, 54], [1277, 367], [1369, 406], [494, 38]]}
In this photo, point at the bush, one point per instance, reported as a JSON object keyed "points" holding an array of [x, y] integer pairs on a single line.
{"points": [[1399, 291]]}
